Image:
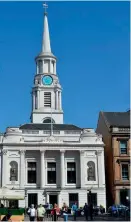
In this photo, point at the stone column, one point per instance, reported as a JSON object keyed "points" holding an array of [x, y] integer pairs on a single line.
{"points": [[38, 99], [33, 95], [60, 100], [62, 168], [22, 169], [54, 67], [50, 68], [100, 168], [56, 99], [42, 170], [82, 175], [4, 168]]}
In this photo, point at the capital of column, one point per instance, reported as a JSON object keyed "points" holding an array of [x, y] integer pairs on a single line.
{"points": [[21, 152], [82, 152], [62, 151], [98, 152], [42, 151], [4, 152]]}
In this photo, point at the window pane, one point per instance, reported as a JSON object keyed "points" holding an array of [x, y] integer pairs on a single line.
{"points": [[31, 176], [125, 173], [123, 147], [31, 165], [51, 173], [71, 172]]}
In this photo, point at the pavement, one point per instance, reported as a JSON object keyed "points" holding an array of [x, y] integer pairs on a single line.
{"points": [[95, 218]]}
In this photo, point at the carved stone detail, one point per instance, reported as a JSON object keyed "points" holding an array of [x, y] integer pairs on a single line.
{"points": [[62, 151], [4, 152], [98, 153], [52, 139], [22, 152], [21, 139], [82, 152]]}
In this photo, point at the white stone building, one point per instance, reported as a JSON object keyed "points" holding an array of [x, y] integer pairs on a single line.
{"points": [[48, 160]]}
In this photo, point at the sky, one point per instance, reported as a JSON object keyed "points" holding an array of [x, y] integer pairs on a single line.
{"points": [[91, 43]]}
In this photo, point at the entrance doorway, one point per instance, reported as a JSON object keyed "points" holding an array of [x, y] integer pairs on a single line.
{"points": [[32, 199], [53, 199]]}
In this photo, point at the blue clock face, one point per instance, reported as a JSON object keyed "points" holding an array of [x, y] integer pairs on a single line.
{"points": [[47, 80]]}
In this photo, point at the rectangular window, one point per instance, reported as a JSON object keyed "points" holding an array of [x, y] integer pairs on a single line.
{"points": [[31, 172], [71, 172], [73, 198], [123, 147], [125, 172], [51, 173], [47, 99]]}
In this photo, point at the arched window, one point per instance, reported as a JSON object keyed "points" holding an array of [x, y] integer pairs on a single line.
{"points": [[48, 120], [91, 171], [13, 171]]}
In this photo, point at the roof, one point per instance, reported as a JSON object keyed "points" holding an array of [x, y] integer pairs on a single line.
{"points": [[117, 119], [43, 126]]}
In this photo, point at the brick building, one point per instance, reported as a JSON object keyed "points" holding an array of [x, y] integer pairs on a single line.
{"points": [[115, 129]]}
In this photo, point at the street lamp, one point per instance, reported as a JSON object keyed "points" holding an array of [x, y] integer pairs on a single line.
{"points": [[90, 196]]}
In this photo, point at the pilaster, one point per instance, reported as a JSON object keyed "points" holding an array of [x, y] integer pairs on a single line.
{"points": [[62, 167], [81, 168], [4, 167], [42, 170], [22, 168]]}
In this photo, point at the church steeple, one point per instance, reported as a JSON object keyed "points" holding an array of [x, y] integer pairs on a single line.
{"points": [[46, 92], [46, 48]]}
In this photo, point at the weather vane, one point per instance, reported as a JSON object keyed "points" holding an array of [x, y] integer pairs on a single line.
{"points": [[45, 6]]}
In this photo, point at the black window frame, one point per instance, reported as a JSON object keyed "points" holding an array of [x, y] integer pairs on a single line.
{"points": [[73, 198], [32, 174], [71, 174], [51, 174]]}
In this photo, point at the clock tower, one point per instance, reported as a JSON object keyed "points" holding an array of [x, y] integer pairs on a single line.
{"points": [[46, 92]]}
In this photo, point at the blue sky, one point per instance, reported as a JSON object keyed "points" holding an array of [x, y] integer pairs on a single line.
{"points": [[91, 42]]}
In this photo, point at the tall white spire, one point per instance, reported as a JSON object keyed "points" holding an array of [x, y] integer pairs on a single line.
{"points": [[46, 48]]}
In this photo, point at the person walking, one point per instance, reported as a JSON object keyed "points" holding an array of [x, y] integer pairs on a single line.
{"points": [[53, 213], [86, 211], [32, 213], [91, 211], [74, 210], [47, 209], [65, 212], [40, 213]]}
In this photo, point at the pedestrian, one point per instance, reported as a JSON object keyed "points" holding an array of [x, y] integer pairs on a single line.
{"points": [[53, 213], [47, 209], [74, 210], [86, 211], [32, 213], [91, 211], [65, 212], [40, 212]]}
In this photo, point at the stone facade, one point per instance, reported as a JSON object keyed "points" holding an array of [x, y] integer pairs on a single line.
{"points": [[29, 150]]}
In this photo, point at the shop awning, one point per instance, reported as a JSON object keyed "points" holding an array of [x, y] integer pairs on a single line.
{"points": [[7, 194]]}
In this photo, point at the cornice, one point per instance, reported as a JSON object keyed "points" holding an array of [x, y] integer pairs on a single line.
{"points": [[52, 144]]}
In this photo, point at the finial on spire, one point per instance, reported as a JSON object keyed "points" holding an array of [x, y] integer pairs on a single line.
{"points": [[45, 6]]}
